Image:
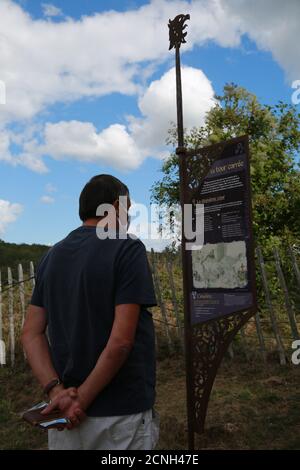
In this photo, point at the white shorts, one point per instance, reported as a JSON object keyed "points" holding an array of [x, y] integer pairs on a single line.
{"points": [[130, 432]]}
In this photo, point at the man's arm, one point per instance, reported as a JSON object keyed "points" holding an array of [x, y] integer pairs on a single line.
{"points": [[112, 357], [36, 346]]}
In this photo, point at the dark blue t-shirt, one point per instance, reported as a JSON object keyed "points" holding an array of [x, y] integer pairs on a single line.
{"points": [[79, 282]]}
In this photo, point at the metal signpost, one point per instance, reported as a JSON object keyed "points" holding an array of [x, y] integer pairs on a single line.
{"points": [[218, 279]]}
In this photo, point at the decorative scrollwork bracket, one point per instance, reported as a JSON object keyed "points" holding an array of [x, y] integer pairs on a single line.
{"points": [[176, 31]]}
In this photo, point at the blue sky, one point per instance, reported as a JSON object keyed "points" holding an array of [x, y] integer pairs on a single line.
{"points": [[90, 90]]}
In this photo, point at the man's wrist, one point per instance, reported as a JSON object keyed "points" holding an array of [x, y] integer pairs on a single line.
{"points": [[50, 385], [55, 391], [83, 397]]}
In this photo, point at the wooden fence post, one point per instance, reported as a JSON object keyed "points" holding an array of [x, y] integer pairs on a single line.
{"points": [[31, 274], [21, 291], [295, 264], [160, 300], [230, 351], [2, 344], [280, 345], [1, 321], [288, 304], [169, 265], [11, 316], [244, 342], [260, 336]]}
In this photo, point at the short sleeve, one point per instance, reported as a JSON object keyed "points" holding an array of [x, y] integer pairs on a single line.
{"points": [[37, 294], [134, 284], [36, 298]]}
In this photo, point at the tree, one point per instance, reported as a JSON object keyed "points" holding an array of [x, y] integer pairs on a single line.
{"points": [[274, 136], [11, 254]]}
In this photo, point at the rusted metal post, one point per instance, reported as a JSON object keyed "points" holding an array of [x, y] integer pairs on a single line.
{"points": [[177, 37]]}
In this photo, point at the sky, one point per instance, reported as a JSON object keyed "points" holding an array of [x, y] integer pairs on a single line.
{"points": [[88, 87]]}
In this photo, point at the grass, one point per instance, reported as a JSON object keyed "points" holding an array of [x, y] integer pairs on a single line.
{"points": [[252, 407], [18, 390]]}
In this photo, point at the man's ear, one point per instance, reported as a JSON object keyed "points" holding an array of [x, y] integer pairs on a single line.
{"points": [[116, 205]]}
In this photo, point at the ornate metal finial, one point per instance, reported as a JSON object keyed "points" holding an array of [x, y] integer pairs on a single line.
{"points": [[176, 30]]}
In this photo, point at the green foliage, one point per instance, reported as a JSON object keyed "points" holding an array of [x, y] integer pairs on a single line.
{"points": [[274, 135], [12, 254]]}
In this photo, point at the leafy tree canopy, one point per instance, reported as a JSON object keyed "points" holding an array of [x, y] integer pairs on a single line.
{"points": [[274, 136], [11, 254]]}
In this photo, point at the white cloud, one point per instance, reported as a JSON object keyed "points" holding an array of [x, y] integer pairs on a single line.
{"points": [[158, 107], [126, 147], [4, 147], [81, 141], [9, 212], [31, 161], [50, 188], [28, 156], [47, 199], [273, 25], [44, 62], [51, 10]]}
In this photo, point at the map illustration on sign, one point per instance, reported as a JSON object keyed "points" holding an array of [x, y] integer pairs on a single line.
{"points": [[220, 265]]}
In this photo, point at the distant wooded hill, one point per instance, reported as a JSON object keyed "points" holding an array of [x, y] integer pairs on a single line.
{"points": [[11, 254]]}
